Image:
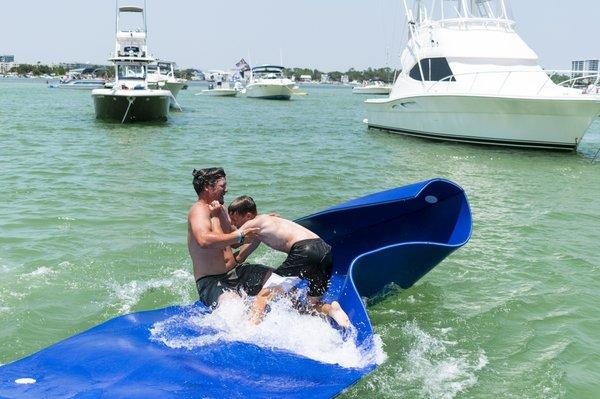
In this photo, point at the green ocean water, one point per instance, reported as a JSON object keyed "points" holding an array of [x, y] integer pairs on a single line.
{"points": [[93, 225]]}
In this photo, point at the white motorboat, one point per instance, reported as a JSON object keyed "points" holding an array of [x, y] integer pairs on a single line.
{"points": [[267, 81], [377, 88], [164, 72], [130, 97], [468, 76], [79, 84], [219, 92]]}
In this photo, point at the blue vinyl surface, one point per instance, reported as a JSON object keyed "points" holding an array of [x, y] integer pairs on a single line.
{"points": [[394, 236]]}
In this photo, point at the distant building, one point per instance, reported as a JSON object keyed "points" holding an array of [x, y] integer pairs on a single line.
{"points": [[6, 63], [589, 66], [324, 78], [305, 78], [344, 79], [197, 74]]}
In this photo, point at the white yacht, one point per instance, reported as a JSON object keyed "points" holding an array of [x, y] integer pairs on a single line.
{"points": [[130, 97], [220, 91], [377, 88], [468, 76], [267, 81], [164, 72], [79, 84]]}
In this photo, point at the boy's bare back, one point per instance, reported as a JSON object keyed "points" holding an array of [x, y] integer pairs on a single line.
{"points": [[278, 233]]}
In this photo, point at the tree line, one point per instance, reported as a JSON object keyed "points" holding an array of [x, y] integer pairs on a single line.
{"points": [[371, 74], [57, 70]]}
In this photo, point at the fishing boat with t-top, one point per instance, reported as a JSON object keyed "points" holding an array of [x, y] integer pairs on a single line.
{"points": [[130, 97]]}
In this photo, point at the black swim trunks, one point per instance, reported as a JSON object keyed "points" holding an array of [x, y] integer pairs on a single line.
{"points": [[309, 259], [244, 277]]}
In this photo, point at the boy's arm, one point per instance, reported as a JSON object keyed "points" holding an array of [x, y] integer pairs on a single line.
{"points": [[245, 251]]}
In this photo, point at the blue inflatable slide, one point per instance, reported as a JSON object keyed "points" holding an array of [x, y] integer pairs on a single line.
{"points": [[394, 236]]}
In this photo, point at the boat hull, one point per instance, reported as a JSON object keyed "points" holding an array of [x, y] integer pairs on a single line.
{"points": [[113, 105], [377, 90], [269, 91], [79, 85], [548, 123], [174, 88], [220, 92]]}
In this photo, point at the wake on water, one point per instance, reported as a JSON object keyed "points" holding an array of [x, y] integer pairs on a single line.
{"points": [[282, 328]]}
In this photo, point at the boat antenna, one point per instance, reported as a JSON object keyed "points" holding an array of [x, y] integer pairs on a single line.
{"points": [[117, 16]]}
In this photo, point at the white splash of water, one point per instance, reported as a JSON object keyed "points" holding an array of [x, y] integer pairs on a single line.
{"points": [[283, 328], [129, 294], [40, 271], [439, 373]]}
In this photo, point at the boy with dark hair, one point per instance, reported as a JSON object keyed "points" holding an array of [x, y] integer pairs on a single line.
{"points": [[309, 257]]}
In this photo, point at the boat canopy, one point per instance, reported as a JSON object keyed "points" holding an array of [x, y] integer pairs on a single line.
{"points": [[130, 9], [268, 68], [451, 9]]}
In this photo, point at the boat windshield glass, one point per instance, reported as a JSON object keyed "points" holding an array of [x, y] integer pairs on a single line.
{"points": [[131, 71], [165, 68], [268, 72], [450, 9]]}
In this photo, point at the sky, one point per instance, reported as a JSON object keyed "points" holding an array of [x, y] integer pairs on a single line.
{"points": [[324, 34]]}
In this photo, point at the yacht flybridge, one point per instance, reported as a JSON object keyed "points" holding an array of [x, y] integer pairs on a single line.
{"points": [[267, 81], [131, 98], [468, 76]]}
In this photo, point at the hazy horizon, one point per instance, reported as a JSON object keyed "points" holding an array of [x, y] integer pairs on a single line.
{"points": [[332, 35]]}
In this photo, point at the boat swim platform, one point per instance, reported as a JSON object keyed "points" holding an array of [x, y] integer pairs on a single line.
{"points": [[394, 236]]}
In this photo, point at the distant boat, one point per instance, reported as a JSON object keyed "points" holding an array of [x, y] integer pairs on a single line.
{"points": [[164, 72], [468, 76], [378, 88], [268, 82], [219, 92], [79, 84], [130, 97]]}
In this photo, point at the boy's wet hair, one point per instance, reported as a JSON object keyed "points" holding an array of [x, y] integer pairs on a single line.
{"points": [[242, 205], [206, 177]]}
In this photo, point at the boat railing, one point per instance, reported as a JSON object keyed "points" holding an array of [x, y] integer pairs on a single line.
{"points": [[463, 22], [588, 76]]}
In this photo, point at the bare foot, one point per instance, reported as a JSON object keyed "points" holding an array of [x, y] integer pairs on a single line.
{"points": [[335, 311]]}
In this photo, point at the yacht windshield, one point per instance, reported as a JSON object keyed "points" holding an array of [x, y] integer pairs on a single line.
{"points": [[268, 72], [449, 9], [131, 71]]}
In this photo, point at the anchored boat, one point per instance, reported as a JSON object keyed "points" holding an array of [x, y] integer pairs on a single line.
{"points": [[130, 97], [394, 236], [378, 88], [267, 81], [468, 76], [161, 75]]}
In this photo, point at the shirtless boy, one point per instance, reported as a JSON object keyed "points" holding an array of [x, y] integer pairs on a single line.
{"points": [[210, 237], [309, 257]]}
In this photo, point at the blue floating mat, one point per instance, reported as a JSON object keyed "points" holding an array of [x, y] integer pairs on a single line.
{"points": [[394, 236]]}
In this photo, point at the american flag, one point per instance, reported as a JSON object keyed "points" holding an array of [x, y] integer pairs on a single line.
{"points": [[242, 65]]}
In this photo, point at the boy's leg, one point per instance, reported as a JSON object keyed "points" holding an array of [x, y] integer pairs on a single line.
{"points": [[333, 310], [257, 310]]}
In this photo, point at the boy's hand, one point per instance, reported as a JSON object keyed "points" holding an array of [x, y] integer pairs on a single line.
{"points": [[250, 234]]}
